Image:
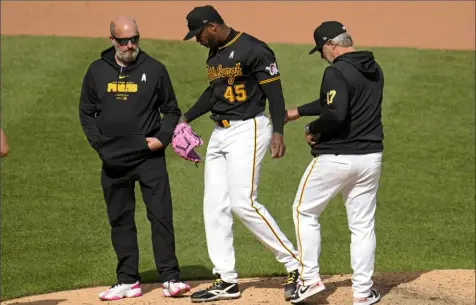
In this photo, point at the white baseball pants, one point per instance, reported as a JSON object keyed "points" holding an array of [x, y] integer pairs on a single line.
{"points": [[232, 170], [356, 177]]}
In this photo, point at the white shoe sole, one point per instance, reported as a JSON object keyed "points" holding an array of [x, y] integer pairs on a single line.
{"points": [[309, 293], [369, 301], [132, 293], [169, 293], [227, 296]]}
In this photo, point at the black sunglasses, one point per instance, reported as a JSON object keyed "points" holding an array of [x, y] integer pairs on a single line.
{"points": [[125, 41]]}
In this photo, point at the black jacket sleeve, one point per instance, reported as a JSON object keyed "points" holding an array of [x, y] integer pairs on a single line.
{"points": [[265, 68], [88, 107], [310, 109], [337, 103], [202, 106], [168, 107]]}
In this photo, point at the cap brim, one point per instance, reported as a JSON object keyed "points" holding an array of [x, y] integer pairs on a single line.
{"points": [[192, 34], [314, 50]]}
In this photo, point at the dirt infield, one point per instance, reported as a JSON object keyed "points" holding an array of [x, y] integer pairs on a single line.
{"points": [[426, 24], [445, 287], [419, 24]]}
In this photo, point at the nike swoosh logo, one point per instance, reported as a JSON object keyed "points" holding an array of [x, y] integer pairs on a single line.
{"points": [[123, 76], [303, 290]]}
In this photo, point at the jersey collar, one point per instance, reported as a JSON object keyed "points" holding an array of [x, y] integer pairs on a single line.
{"points": [[232, 37]]}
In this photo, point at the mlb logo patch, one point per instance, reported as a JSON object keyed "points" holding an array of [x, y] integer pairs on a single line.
{"points": [[272, 69]]}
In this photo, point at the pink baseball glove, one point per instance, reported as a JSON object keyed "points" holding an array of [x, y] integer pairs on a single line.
{"points": [[184, 142]]}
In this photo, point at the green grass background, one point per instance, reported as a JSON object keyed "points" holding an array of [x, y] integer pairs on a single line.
{"points": [[54, 229]]}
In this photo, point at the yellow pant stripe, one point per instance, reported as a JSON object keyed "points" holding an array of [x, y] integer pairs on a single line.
{"points": [[252, 189], [297, 211]]}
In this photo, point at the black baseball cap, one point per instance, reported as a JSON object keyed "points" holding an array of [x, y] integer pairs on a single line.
{"points": [[326, 31], [199, 17]]}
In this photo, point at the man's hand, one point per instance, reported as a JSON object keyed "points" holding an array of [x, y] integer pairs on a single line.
{"points": [[4, 147], [278, 147], [311, 139], [291, 115], [154, 144]]}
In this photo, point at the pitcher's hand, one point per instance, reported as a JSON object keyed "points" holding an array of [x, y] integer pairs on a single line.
{"points": [[278, 147]]}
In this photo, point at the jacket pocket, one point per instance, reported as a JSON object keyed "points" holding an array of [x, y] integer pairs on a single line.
{"points": [[123, 151]]}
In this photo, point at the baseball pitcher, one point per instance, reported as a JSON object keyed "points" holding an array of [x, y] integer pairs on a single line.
{"points": [[242, 73]]}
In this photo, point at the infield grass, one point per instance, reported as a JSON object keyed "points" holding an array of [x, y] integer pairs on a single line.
{"points": [[55, 233]]}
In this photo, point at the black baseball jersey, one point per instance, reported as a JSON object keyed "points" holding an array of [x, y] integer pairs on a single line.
{"points": [[235, 73]]}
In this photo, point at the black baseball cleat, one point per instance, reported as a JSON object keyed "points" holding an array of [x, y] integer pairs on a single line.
{"points": [[219, 290], [304, 292], [374, 297], [291, 284]]}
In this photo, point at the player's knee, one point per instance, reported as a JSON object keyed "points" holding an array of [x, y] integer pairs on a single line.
{"points": [[362, 230], [242, 208], [238, 208], [239, 213]]}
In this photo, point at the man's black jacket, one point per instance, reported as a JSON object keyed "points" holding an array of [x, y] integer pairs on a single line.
{"points": [[121, 106]]}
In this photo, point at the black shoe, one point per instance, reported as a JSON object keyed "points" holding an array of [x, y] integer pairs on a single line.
{"points": [[220, 290], [291, 284], [373, 298], [304, 292]]}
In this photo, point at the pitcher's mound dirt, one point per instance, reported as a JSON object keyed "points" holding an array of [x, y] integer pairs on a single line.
{"points": [[442, 287]]}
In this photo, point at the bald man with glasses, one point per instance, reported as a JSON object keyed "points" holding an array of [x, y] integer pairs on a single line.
{"points": [[124, 93]]}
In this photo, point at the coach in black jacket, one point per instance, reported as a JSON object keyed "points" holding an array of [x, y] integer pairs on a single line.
{"points": [[347, 145], [123, 94]]}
